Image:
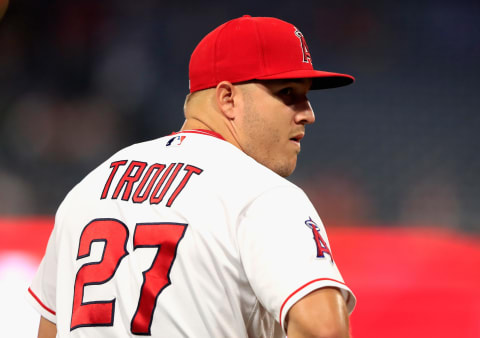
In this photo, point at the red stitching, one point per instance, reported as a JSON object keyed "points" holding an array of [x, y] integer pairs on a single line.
{"points": [[40, 302], [300, 288], [202, 132]]}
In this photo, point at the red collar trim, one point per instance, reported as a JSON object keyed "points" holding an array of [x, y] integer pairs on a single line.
{"points": [[201, 131]]}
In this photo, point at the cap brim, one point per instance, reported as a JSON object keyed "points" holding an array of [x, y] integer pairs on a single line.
{"points": [[321, 79]]}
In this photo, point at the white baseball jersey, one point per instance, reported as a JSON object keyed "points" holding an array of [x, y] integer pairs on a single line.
{"points": [[182, 236]]}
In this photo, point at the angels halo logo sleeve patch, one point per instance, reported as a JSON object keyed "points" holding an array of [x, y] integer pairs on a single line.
{"points": [[322, 247]]}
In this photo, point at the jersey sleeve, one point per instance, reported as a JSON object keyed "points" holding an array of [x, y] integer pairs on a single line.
{"points": [[285, 251], [42, 291]]}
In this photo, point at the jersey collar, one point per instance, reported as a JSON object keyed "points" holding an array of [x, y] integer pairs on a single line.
{"points": [[201, 131]]}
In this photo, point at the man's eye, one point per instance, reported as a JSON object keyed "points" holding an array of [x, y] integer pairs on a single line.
{"points": [[286, 91]]}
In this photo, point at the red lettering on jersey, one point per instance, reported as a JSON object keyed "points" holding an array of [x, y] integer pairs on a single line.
{"points": [[168, 184], [114, 234], [144, 182], [136, 196], [165, 237], [154, 199], [190, 171], [129, 180], [115, 166]]}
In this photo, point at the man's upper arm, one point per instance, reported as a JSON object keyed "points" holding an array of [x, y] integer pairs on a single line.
{"points": [[46, 329], [321, 313], [285, 251]]}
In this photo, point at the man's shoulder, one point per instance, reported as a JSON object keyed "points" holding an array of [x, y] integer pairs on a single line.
{"points": [[171, 161], [249, 180]]}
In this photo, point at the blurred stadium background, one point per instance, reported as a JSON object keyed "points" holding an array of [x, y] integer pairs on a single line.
{"points": [[392, 163]]}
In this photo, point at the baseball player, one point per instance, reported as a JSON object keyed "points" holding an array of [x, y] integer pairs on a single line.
{"points": [[198, 233]]}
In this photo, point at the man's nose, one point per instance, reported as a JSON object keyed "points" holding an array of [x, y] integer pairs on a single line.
{"points": [[305, 114]]}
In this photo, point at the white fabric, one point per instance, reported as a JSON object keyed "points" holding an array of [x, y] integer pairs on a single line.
{"points": [[246, 255]]}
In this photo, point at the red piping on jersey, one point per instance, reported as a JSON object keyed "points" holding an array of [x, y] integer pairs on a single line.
{"points": [[41, 303], [202, 132], [304, 286]]}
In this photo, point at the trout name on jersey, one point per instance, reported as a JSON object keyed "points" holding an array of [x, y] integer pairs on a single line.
{"points": [[139, 182]]}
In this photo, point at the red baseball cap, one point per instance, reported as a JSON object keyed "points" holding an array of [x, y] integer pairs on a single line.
{"points": [[256, 48]]}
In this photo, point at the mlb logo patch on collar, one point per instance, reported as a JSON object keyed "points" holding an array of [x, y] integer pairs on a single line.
{"points": [[176, 141]]}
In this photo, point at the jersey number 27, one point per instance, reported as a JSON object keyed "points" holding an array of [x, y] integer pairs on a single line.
{"points": [[163, 236]]}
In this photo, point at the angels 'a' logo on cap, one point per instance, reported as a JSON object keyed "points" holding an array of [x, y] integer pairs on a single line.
{"points": [[307, 58]]}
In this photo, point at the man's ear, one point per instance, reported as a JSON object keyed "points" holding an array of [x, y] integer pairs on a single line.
{"points": [[228, 98]]}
